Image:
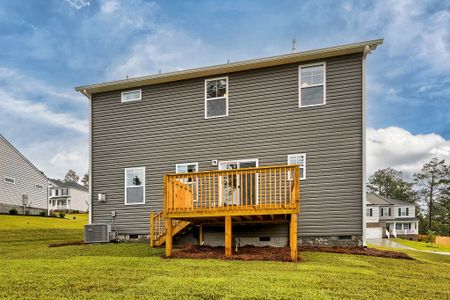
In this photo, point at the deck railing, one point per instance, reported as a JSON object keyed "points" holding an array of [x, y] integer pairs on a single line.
{"points": [[272, 189]]}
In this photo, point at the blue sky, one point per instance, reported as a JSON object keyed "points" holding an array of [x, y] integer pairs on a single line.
{"points": [[48, 47]]}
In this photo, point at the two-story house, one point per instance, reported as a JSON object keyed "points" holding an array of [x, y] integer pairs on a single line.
{"points": [[23, 187], [389, 217], [228, 148], [67, 196]]}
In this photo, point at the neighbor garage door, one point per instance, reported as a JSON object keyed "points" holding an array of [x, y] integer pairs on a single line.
{"points": [[374, 233]]}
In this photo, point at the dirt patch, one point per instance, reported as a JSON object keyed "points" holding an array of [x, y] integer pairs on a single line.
{"points": [[276, 253], [358, 251], [243, 253], [72, 243]]}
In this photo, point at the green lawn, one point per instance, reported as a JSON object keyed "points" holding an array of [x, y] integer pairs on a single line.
{"points": [[30, 269], [423, 245]]}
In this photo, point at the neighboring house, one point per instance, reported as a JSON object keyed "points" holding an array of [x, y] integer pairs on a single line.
{"points": [[390, 218], [303, 108], [67, 196], [22, 185]]}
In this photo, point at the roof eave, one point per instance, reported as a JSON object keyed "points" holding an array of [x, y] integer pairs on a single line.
{"points": [[360, 47]]}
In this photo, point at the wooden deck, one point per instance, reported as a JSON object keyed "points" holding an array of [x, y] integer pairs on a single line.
{"points": [[251, 195]]}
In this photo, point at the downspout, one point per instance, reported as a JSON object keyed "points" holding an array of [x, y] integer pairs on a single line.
{"points": [[364, 162]]}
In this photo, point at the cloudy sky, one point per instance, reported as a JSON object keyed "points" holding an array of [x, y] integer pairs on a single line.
{"points": [[48, 47]]}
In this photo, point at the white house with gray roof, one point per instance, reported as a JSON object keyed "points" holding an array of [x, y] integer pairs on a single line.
{"points": [[390, 218], [22, 186], [67, 196]]}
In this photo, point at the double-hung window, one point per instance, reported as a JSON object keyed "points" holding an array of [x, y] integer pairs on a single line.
{"points": [[403, 211], [135, 185], [369, 212], [133, 95], [298, 159], [312, 85], [216, 97]]}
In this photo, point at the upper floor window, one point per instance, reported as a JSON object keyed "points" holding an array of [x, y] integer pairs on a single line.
{"points": [[9, 180], [131, 95], [386, 212], [135, 185], [216, 97], [369, 212], [403, 211], [298, 159], [312, 85]]}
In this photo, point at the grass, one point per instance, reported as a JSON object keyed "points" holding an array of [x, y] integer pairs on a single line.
{"points": [[30, 269], [423, 245]]}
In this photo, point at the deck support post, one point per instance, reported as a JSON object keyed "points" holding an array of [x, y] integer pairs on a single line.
{"points": [[152, 229], [228, 236], [200, 235], [168, 237], [293, 236]]}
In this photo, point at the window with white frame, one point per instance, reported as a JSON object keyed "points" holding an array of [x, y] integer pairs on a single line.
{"points": [[216, 97], [131, 95], [9, 180], [38, 186], [187, 168], [312, 85], [403, 211], [298, 159], [386, 211], [398, 226], [135, 185], [369, 212]]}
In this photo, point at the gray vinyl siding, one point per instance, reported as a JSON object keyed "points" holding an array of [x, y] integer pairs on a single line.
{"points": [[168, 127], [13, 164]]}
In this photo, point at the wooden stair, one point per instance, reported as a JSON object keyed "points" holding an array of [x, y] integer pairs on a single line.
{"points": [[158, 229]]}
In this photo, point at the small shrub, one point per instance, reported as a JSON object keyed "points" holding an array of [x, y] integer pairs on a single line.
{"points": [[12, 211], [52, 214], [431, 236], [43, 213], [62, 215], [74, 218], [27, 212]]}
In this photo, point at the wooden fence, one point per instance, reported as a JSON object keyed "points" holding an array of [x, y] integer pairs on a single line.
{"points": [[439, 240]]}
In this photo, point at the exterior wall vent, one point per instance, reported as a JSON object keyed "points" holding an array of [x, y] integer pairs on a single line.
{"points": [[97, 233]]}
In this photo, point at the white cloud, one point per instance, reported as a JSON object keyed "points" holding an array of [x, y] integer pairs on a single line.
{"points": [[398, 148], [42, 113], [412, 29], [78, 4]]}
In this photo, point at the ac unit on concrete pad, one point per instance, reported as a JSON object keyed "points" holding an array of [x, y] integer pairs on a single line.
{"points": [[97, 233]]}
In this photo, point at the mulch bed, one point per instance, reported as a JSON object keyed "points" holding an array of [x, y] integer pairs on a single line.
{"points": [[275, 253], [357, 251], [72, 243]]}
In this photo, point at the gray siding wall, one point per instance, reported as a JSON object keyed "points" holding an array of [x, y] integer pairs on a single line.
{"points": [[12, 164], [168, 127]]}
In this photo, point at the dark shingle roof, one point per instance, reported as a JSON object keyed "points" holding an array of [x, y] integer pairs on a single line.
{"points": [[65, 184]]}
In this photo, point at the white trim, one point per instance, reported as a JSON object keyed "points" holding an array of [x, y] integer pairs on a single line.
{"points": [[304, 164], [363, 146], [217, 98], [324, 84], [129, 92], [143, 185], [9, 178], [185, 164], [90, 160]]}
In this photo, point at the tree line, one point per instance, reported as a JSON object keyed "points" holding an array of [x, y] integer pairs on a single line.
{"points": [[429, 190]]}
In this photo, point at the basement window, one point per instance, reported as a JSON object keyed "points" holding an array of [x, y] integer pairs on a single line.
{"points": [[216, 98], [131, 96], [312, 85], [298, 159], [9, 180], [134, 186]]}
